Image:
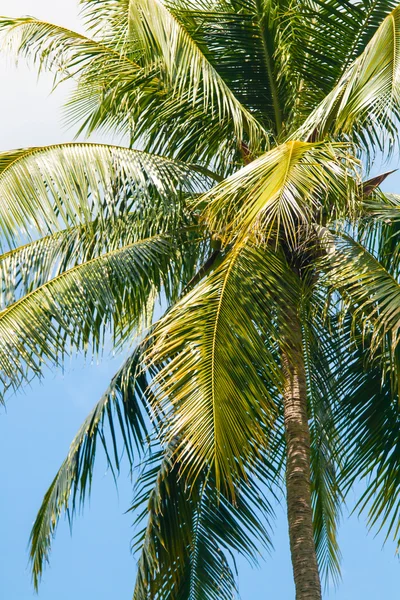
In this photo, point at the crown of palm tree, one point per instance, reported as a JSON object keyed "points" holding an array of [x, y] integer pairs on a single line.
{"points": [[248, 212]]}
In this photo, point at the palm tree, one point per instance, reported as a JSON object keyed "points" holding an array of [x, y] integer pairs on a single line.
{"points": [[249, 213]]}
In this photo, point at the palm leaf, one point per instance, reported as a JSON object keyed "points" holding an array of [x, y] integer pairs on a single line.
{"points": [[74, 310], [221, 376], [379, 230], [369, 291], [364, 105], [124, 407], [283, 192], [47, 189], [385, 207], [189, 530], [244, 44], [368, 414], [324, 38], [162, 37], [115, 93], [66, 52], [28, 267], [108, 21], [109, 79]]}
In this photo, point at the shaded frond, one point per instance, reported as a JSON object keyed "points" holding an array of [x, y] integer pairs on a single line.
{"points": [[122, 409], [368, 414], [379, 230], [26, 268], [369, 291], [188, 73], [385, 207], [111, 86], [114, 92], [325, 38], [244, 44], [191, 531]]}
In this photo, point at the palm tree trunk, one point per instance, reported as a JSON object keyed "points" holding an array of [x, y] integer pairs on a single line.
{"points": [[298, 488]]}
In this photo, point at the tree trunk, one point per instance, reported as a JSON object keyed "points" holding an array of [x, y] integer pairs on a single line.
{"points": [[302, 546]]}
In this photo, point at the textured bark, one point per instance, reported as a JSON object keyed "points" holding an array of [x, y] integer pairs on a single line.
{"points": [[302, 546]]}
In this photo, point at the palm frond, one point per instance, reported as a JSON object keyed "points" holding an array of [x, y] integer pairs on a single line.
{"points": [[379, 230], [114, 92], [113, 292], [324, 38], [222, 372], [111, 85], [50, 188], [122, 409], [365, 104], [287, 189], [190, 531], [244, 44], [187, 133], [64, 52], [25, 268], [369, 291], [385, 207], [108, 21], [368, 414], [188, 73]]}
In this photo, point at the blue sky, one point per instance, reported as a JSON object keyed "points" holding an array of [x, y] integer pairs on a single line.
{"points": [[37, 426]]}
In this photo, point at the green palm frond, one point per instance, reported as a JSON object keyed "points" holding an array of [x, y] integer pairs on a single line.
{"points": [[123, 409], [385, 207], [222, 376], [107, 76], [64, 52], [189, 532], [187, 133], [162, 38], [363, 417], [369, 291], [379, 230], [325, 38], [244, 46], [114, 93], [28, 267], [174, 548], [47, 189], [365, 103], [286, 190], [367, 16], [108, 20], [113, 292], [368, 413], [378, 423]]}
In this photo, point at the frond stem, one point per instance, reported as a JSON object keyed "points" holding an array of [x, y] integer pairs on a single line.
{"points": [[269, 65]]}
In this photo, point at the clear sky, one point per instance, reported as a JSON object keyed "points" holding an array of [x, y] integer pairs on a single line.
{"points": [[39, 423]]}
